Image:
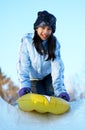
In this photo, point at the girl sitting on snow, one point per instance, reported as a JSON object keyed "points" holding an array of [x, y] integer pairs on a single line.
{"points": [[39, 64]]}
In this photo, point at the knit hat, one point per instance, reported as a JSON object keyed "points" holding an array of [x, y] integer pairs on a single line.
{"points": [[45, 19]]}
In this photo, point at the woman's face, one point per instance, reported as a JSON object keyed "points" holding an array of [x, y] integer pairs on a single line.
{"points": [[44, 32]]}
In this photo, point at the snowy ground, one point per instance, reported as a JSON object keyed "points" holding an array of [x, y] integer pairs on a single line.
{"points": [[11, 118]]}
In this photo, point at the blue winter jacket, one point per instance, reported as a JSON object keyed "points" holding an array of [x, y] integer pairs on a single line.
{"points": [[32, 65]]}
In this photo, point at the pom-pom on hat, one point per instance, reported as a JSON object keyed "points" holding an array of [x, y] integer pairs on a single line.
{"points": [[45, 19]]}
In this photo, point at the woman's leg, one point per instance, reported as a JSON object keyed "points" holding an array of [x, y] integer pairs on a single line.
{"points": [[48, 85], [43, 87], [38, 87]]}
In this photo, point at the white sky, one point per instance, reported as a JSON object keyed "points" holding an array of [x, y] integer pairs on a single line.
{"points": [[17, 18]]}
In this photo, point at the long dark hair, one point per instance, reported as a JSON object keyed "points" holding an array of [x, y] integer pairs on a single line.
{"points": [[51, 45]]}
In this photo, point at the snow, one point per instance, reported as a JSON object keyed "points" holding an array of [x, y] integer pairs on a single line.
{"points": [[11, 118]]}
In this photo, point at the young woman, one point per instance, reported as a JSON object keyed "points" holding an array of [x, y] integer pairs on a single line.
{"points": [[39, 64]]}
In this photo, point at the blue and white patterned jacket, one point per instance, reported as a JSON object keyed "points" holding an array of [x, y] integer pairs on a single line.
{"points": [[32, 65]]}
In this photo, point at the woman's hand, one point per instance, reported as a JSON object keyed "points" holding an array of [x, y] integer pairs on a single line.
{"points": [[24, 91], [65, 96]]}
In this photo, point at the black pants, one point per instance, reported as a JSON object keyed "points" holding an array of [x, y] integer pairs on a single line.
{"points": [[43, 87]]}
